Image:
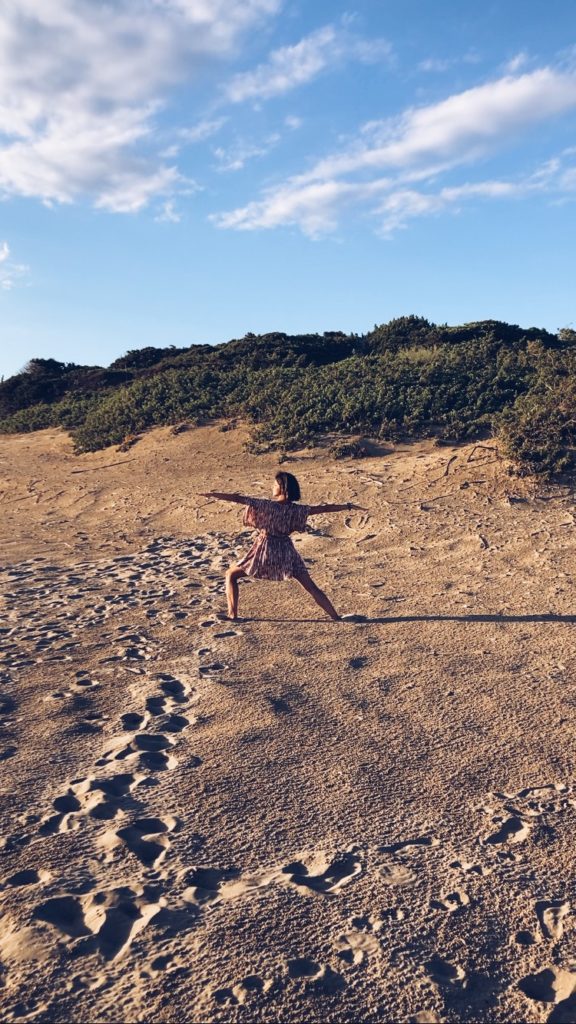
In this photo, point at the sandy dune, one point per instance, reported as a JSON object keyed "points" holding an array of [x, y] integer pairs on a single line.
{"points": [[285, 818]]}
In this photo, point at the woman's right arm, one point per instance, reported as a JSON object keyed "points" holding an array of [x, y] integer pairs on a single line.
{"points": [[240, 499]]}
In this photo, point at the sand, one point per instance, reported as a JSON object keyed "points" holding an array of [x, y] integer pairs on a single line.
{"points": [[285, 818]]}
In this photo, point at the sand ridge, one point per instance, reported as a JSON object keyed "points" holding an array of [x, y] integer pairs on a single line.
{"points": [[285, 818]]}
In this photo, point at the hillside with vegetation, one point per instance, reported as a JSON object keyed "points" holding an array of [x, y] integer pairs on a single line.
{"points": [[405, 379]]}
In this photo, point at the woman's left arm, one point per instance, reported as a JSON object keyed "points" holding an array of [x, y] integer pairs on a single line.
{"points": [[348, 507], [240, 499]]}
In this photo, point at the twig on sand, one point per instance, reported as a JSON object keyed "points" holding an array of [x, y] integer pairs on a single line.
{"points": [[446, 469], [21, 497], [482, 447], [448, 464], [106, 465]]}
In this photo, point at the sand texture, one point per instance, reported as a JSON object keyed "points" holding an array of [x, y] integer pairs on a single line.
{"points": [[285, 818]]}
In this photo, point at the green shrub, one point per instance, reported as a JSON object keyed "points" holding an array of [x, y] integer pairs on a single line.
{"points": [[405, 379]]}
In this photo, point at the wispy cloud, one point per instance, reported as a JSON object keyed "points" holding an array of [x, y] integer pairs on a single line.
{"points": [[291, 66], [81, 85], [205, 129], [463, 127], [421, 144], [235, 156], [10, 272], [405, 204], [440, 64], [315, 208], [168, 213], [518, 61], [318, 208]]}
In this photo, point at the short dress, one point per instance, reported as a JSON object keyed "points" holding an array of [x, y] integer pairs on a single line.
{"points": [[273, 555]]}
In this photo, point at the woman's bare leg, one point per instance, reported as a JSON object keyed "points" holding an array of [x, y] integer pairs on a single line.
{"points": [[319, 596], [232, 576]]}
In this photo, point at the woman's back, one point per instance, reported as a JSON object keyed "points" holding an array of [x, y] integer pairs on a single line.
{"points": [[275, 517]]}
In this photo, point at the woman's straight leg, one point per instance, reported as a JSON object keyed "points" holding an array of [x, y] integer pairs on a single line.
{"points": [[306, 581], [232, 576]]}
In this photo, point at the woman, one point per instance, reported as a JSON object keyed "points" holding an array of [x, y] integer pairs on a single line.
{"points": [[273, 555]]}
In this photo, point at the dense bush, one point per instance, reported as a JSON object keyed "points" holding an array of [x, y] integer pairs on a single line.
{"points": [[404, 379], [539, 430]]}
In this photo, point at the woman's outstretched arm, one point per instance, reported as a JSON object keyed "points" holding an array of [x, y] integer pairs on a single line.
{"points": [[316, 509], [240, 499]]}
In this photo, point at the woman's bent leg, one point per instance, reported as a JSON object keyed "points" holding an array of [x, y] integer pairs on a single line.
{"points": [[232, 576], [306, 581]]}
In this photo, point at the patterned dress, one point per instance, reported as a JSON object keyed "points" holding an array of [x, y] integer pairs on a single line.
{"points": [[273, 555]]}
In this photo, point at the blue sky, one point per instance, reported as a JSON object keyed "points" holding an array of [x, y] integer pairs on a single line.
{"points": [[185, 171]]}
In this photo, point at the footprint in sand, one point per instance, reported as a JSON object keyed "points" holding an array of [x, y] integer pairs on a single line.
{"points": [[132, 721], [28, 876], [64, 913], [552, 985], [443, 972], [343, 870], [205, 884], [511, 831], [409, 845], [320, 979], [395, 870], [84, 679], [397, 874], [246, 990], [354, 945], [95, 798], [213, 669], [551, 914], [146, 838], [107, 923], [467, 867], [175, 723], [527, 809], [454, 901]]}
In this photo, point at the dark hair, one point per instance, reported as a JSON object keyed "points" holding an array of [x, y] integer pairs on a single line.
{"points": [[289, 486]]}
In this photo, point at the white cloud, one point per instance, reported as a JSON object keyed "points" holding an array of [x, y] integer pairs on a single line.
{"points": [[202, 131], [80, 85], [168, 214], [314, 208], [461, 128], [419, 145], [234, 157], [436, 64], [317, 208], [10, 272], [292, 66], [515, 63], [405, 204], [441, 64]]}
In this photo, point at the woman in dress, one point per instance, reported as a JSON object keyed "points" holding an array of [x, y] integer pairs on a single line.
{"points": [[273, 555]]}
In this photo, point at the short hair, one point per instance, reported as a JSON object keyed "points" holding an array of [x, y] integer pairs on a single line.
{"points": [[288, 485]]}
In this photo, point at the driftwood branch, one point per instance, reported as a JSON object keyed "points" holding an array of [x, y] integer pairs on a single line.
{"points": [[107, 465], [482, 447], [448, 464]]}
